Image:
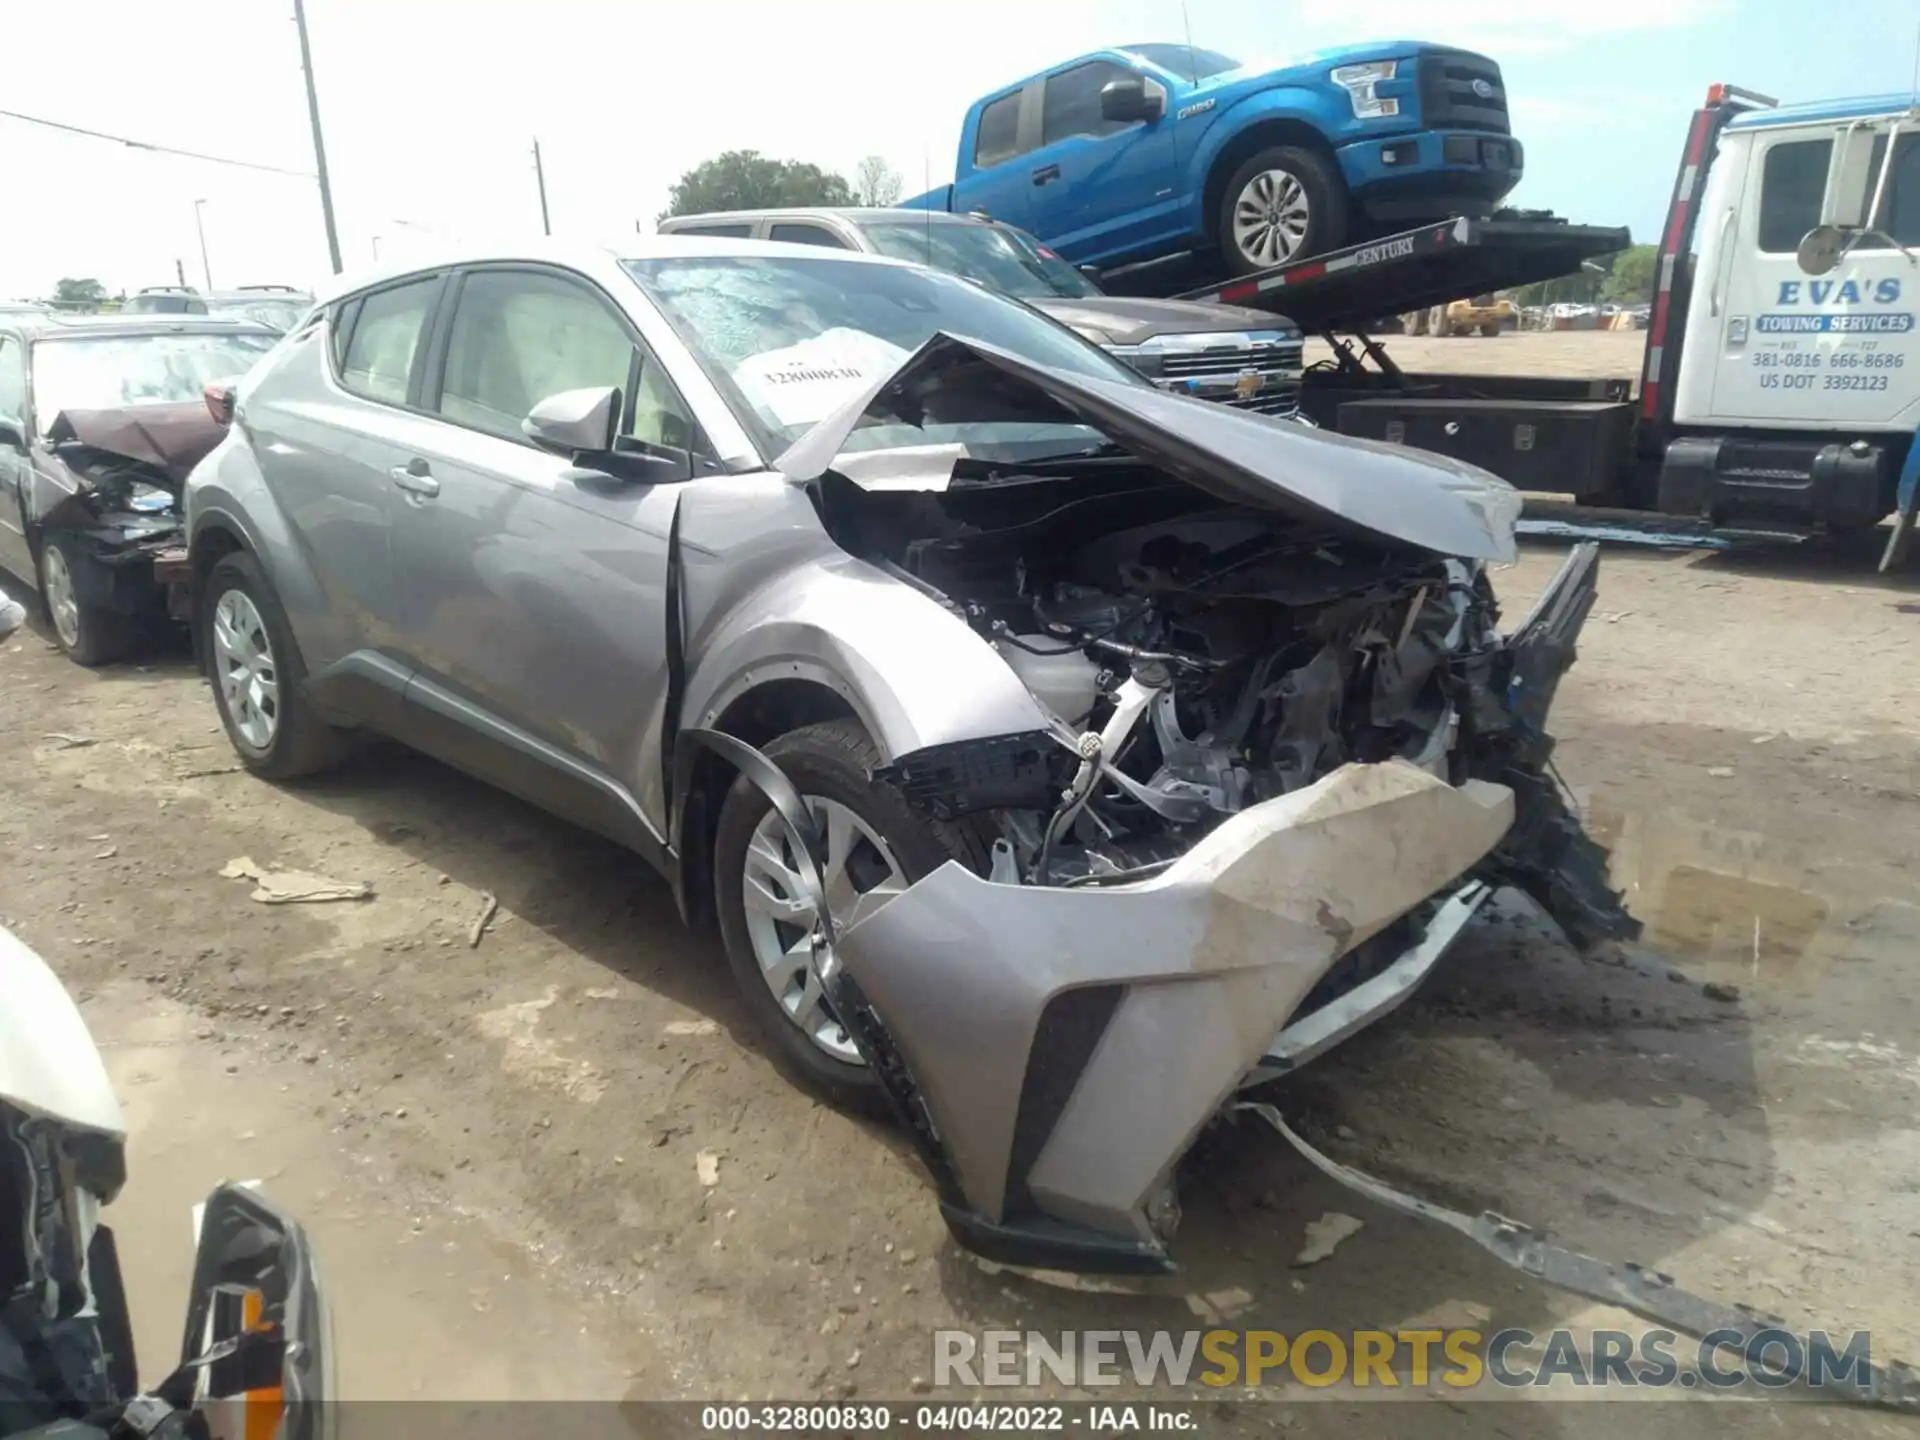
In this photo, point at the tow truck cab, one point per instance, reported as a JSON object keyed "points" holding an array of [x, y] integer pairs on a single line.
{"points": [[1798, 388]]}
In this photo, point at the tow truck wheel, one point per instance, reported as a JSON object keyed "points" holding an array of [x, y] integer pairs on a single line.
{"points": [[1283, 204], [90, 634]]}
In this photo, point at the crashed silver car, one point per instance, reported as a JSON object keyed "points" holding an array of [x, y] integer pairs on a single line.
{"points": [[1057, 755]]}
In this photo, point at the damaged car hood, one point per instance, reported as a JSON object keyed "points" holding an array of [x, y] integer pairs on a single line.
{"points": [[1128, 320], [1360, 486], [171, 438]]}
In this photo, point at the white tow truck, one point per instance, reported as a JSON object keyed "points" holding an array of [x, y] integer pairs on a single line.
{"points": [[1780, 387]]}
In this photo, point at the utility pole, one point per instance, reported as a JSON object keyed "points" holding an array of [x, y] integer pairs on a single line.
{"points": [[319, 145], [206, 269], [540, 178], [180, 272]]}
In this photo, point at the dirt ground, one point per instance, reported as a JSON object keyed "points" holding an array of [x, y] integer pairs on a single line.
{"points": [[496, 1144]]}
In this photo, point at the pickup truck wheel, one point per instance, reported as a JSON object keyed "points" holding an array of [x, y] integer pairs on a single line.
{"points": [[876, 847], [90, 634], [259, 680], [1284, 204]]}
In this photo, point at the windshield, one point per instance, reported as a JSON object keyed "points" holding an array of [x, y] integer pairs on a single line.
{"points": [[995, 256], [790, 340], [104, 372], [280, 315], [1185, 61]]}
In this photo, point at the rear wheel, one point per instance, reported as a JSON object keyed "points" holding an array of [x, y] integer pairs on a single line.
{"points": [[259, 682], [1490, 330], [875, 848], [1282, 205], [90, 634]]}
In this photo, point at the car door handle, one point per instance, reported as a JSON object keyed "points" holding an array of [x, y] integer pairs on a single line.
{"points": [[1045, 174], [415, 478]]}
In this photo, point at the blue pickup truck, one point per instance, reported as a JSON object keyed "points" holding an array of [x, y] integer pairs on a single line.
{"points": [[1146, 151]]}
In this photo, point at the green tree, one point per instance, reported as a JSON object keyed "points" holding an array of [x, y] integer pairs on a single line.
{"points": [[748, 180], [78, 293], [1631, 279]]}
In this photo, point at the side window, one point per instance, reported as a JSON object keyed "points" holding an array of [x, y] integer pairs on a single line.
{"points": [[340, 327], [519, 336], [807, 235], [13, 380], [1072, 104], [386, 336], [731, 232], [999, 137], [1793, 181], [1900, 207]]}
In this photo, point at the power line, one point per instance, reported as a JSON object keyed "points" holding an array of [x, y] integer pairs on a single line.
{"points": [[158, 149]]}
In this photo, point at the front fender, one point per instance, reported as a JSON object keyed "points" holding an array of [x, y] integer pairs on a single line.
{"points": [[914, 673], [1295, 103], [227, 491]]}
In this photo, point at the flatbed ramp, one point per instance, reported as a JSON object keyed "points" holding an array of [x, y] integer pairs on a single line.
{"points": [[1415, 269]]}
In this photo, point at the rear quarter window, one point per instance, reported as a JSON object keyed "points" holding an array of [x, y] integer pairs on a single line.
{"points": [[999, 137]]}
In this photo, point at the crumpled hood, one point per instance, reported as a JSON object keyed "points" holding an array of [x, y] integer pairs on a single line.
{"points": [[1363, 487], [172, 438], [1124, 320]]}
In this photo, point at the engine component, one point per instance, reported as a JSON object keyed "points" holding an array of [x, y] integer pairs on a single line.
{"points": [[1062, 679]]}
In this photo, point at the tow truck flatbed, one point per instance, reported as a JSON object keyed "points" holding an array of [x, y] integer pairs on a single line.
{"points": [[1342, 290]]}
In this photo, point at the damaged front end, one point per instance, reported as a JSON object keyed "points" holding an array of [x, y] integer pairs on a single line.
{"points": [[1289, 755], [118, 505]]}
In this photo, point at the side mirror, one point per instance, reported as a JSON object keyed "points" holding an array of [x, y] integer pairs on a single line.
{"points": [[13, 433], [575, 423], [1130, 99], [1820, 249], [584, 426], [220, 395], [256, 1342]]}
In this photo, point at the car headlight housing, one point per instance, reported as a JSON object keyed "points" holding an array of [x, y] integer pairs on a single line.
{"points": [[1359, 82]]}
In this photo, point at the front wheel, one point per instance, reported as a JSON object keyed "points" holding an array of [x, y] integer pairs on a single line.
{"points": [[90, 634], [1282, 205], [875, 848], [259, 681]]}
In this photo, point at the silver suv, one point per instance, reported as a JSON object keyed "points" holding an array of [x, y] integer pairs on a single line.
{"points": [[1053, 750]]}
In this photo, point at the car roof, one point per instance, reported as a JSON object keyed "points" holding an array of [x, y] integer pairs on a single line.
{"points": [[580, 255], [826, 212], [46, 327], [1811, 112]]}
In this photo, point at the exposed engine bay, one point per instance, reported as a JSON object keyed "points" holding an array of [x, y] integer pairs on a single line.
{"points": [[1223, 656]]}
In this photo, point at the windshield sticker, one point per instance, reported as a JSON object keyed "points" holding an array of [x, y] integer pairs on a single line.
{"points": [[804, 382]]}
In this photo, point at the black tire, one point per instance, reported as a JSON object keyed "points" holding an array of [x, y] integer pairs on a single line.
{"points": [[301, 743], [1490, 331], [1327, 206], [831, 761], [101, 636]]}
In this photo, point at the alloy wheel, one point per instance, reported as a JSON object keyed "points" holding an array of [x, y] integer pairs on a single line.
{"points": [[1271, 217], [245, 669], [62, 603], [861, 874]]}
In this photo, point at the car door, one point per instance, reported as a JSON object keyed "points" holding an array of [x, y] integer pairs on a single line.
{"points": [[1101, 187], [535, 591], [328, 426], [15, 463], [1819, 351], [1001, 183]]}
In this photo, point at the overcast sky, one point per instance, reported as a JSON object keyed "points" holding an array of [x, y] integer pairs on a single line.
{"points": [[431, 106]]}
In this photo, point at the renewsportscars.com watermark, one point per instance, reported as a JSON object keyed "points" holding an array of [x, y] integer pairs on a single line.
{"points": [[1463, 1360]]}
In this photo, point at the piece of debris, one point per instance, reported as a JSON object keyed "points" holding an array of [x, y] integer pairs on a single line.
{"points": [[1720, 772], [1613, 617], [210, 770], [108, 853], [693, 1027], [707, 1166], [293, 887], [72, 742], [1324, 1234], [1715, 990], [489, 906]]}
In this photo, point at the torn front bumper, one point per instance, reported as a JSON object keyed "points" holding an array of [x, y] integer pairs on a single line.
{"points": [[1056, 1049]]}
